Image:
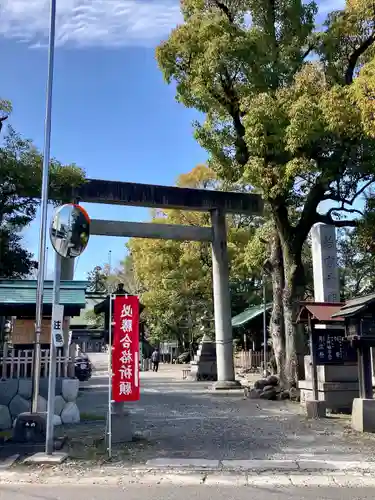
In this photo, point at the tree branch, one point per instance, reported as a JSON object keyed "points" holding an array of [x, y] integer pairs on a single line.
{"points": [[327, 219], [353, 59], [225, 9], [344, 201], [280, 213], [307, 51], [343, 209], [2, 119], [232, 105], [309, 212]]}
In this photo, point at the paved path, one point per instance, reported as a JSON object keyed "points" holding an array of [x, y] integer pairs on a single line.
{"points": [[186, 420]]}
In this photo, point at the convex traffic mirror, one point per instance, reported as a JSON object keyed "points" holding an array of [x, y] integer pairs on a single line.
{"points": [[70, 230]]}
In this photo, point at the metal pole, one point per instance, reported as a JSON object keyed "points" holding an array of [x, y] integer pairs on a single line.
{"points": [[52, 361], [141, 350], [314, 371], [264, 325], [46, 267], [109, 286], [110, 379], [43, 209]]}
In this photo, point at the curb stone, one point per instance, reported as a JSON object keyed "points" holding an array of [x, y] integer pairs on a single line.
{"points": [[185, 465], [207, 479], [260, 465]]}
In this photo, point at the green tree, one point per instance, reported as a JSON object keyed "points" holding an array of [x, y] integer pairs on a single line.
{"points": [[15, 261], [97, 280], [5, 110], [20, 186], [297, 129], [124, 274], [356, 265]]}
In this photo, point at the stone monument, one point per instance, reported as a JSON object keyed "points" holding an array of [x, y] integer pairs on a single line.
{"points": [[203, 366], [325, 267], [337, 384]]}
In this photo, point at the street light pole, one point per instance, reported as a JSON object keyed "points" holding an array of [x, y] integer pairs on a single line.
{"points": [[43, 208]]}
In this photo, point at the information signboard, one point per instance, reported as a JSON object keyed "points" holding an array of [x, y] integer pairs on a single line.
{"points": [[331, 347], [57, 325]]}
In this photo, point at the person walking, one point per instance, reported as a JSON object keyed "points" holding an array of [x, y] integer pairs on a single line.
{"points": [[155, 358]]}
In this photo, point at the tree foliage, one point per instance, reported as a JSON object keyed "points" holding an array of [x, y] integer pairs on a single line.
{"points": [[176, 277], [356, 265], [97, 280], [20, 187], [298, 129], [15, 261]]}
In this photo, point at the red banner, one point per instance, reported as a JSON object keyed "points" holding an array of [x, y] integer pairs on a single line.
{"points": [[125, 349]]}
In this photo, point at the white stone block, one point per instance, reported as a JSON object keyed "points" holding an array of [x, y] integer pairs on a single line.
{"points": [[70, 414], [19, 405], [5, 418], [70, 388], [59, 404], [363, 415], [347, 372], [8, 389], [57, 420], [25, 387], [41, 404]]}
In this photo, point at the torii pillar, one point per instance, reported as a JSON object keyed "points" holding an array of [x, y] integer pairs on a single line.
{"points": [[222, 304]]}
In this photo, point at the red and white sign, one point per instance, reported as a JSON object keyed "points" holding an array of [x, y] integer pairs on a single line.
{"points": [[125, 349]]}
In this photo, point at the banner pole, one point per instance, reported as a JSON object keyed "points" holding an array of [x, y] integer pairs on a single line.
{"points": [[110, 375]]}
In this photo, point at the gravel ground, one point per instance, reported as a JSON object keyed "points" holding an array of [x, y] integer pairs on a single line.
{"points": [[180, 419]]}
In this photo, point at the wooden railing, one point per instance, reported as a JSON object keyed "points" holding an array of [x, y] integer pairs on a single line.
{"points": [[18, 363], [249, 360]]}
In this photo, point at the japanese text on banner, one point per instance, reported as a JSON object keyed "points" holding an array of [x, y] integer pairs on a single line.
{"points": [[125, 353]]}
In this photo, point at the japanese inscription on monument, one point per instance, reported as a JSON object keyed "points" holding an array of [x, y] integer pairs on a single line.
{"points": [[325, 267]]}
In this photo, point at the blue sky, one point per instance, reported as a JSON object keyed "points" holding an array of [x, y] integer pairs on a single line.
{"points": [[112, 113]]}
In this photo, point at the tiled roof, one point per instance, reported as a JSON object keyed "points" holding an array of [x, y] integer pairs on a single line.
{"points": [[320, 311], [249, 314], [357, 305], [23, 292]]}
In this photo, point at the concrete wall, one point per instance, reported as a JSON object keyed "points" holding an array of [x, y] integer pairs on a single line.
{"points": [[15, 398]]}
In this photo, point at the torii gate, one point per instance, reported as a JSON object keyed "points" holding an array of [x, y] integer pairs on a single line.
{"points": [[218, 203]]}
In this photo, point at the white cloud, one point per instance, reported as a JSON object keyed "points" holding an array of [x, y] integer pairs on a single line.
{"points": [[97, 23], [90, 22]]}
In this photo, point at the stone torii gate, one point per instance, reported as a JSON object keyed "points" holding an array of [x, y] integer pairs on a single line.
{"points": [[218, 203]]}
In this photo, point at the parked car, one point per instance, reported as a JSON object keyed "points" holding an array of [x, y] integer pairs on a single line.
{"points": [[83, 367]]}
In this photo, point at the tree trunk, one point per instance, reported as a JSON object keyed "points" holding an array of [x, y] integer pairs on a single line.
{"points": [[277, 316], [293, 293]]}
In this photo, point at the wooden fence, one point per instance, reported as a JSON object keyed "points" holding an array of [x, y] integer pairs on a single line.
{"points": [[18, 363], [249, 360]]}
